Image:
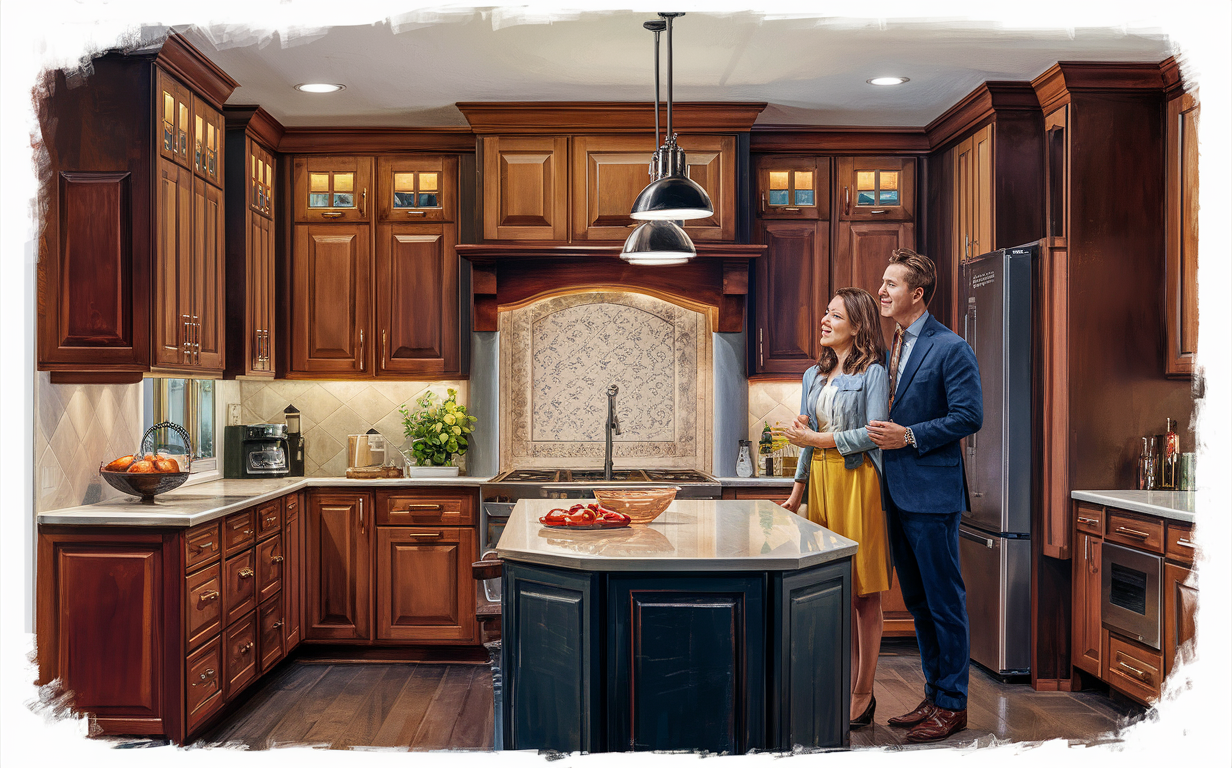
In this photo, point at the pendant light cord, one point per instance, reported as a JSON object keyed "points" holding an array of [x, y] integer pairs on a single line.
{"points": [[669, 80]]}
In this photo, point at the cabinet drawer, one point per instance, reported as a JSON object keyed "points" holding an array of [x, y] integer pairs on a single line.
{"points": [[428, 506], [203, 683], [241, 655], [1133, 669], [239, 581], [238, 531], [201, 545], [1178, 545], [1135, 531], [271, 621], [269, 518], [204, 609], [290, 507], [269, 567], [768, 494], [1089, 518]]}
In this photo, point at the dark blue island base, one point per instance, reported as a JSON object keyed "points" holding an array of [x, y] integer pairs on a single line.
{"points": [[726, 662]]}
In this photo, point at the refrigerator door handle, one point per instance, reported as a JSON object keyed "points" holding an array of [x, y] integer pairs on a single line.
{"points": [[987, 542], [970, 332]]}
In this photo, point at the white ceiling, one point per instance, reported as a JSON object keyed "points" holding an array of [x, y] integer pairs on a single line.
{"points": [[808, 70]]}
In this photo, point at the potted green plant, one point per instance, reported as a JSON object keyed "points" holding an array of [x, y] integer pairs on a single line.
{"points": [[437, 432]]}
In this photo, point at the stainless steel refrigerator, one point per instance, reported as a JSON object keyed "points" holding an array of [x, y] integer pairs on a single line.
{"points": [[995, 535]]}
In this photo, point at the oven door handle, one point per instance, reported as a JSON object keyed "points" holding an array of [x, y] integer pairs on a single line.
{"points": [[987, 542]]}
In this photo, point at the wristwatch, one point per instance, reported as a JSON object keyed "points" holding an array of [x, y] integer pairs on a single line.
{"points": [[910, 437]]}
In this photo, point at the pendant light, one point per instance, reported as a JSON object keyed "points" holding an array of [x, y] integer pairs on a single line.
{"points": [[672, 195], [660, 241]]}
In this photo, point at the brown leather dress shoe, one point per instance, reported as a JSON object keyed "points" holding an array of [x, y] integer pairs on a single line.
{"points": [[939, 725], [915, 716]]}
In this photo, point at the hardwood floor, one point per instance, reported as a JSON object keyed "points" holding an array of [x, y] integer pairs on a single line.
{"points": [[421, 706]]}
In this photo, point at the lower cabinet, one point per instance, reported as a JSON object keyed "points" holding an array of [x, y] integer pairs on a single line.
{"points": [[424, 588], [1087, 624], [339, 555], [1180, 605]]}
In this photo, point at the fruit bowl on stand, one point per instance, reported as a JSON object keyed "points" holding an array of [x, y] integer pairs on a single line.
{"points": [[642, 505], [145, 481]]}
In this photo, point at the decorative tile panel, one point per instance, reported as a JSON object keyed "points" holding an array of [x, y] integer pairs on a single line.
{"points": [[558, 357], [776, 402]]}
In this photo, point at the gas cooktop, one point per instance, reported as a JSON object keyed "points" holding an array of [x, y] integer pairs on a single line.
{"points": [[596, 476]]}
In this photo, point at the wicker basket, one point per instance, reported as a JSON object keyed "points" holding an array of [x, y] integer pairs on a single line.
{"points": [[147, 485], [642, 505]]}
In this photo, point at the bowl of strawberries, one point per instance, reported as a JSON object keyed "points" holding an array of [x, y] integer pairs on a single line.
{"points": [[585, 517]]}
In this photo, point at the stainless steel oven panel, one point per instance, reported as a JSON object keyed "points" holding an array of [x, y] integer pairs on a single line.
{"points": [[1130, 593]]}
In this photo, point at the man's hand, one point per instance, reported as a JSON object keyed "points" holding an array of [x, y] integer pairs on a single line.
{"points": [[887, 435]]}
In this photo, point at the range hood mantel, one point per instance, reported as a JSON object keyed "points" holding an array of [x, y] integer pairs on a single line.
{"points": [[506, 276]]}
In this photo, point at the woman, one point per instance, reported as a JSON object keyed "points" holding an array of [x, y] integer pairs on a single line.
{"points": [[845, 390]]}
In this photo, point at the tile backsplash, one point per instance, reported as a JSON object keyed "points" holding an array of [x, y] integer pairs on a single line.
{"points": [[774, 402], [332, 410]]}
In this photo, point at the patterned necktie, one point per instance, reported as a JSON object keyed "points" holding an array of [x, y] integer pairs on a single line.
{"points": [[896, 350]]}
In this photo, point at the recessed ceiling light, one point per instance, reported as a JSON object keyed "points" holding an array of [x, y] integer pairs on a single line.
{"points": [[889, 80], [319, 87]]}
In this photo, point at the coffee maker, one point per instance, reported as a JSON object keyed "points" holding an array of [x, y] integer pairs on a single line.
{"points": [[255, 451], [295, 443]]}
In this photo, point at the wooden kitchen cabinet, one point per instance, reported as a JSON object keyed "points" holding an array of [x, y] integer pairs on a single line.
{"points": [[973, 195], [1179, 605], [417, 312], [173, 110], [1087, 624], [207, 141], [424, 588], [293, 573], [251, 276], [793, 187], [207, 281], [334, 188], [525, 187], [173, 265], [330, 301], [417, 188], [1181, 252], [875, 188], [792, 283], [338, 566], [862, 252]]}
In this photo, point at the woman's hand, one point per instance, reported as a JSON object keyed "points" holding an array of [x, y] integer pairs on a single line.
{"points": [[798, 432], [793, 501]]}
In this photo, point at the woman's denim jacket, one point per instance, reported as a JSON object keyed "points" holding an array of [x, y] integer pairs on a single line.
{"points": [[860, 398]]}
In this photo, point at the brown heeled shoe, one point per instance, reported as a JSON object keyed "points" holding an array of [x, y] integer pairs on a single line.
{"points": [[866, 718]]}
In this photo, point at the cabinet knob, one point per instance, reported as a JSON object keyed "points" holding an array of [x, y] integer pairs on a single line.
{"points": [[276, 624], [277, 559], [246, 648], [205, 677], [208, 596], [246, 573], [271, 519]]}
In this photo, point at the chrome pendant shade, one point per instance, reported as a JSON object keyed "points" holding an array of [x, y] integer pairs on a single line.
{"points": [[671, 197]]}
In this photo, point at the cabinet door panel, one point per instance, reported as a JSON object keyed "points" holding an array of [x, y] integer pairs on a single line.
{"points": [[338, 559], [172, 255], [334, 189], [1181, 259], [173, 118], [424, 587], [1180, 604], [792, 280], [1088, 637], [711, 162], [417, 299], [329, 299], [525, 188], [981, 196], [864, 250], [293, 585], [206, 151], [417, 188], [208, 300], [875, 188], [793, 187], [258, 338]]}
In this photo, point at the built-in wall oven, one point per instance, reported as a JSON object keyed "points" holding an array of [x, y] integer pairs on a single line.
{"points": [[1130, 589]]}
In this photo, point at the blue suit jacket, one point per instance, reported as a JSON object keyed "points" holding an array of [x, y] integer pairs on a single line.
{"points": [[938, 395]]}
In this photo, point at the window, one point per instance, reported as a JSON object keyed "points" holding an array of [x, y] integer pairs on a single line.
{"points": [[331, 190], [877, 188], [791, 189], [189, 403], [416, 190]]}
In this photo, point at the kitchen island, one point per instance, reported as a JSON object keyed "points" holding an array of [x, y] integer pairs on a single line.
{"points": [[722, 626]]}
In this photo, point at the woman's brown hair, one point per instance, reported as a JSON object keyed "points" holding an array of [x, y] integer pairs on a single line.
{"points": [[869, 345]]}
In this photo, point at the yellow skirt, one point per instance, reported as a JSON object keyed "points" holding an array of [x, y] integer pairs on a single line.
{"points": [[848, 502]]}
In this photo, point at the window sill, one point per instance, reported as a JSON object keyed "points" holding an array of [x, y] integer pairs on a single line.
{"points": [[197, 478]]}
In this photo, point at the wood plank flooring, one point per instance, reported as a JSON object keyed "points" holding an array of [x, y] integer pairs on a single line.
{"points": [[422, 706]]}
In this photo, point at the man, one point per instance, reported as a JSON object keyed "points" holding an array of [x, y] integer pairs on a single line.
{"points": [[935, 400]]}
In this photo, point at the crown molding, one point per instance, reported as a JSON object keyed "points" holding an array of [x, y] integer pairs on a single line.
{"points": [[182, 59], [1064, 78], [987, 100], [573, 117], [353, 139], [794, 139]]}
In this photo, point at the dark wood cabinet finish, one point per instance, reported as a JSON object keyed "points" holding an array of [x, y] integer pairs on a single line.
{"points": [[881, 206], [1180, 605], [793, 278], [203, 672], [416, 281], [1181, 251], [417, 188], [426, 506], [792, 182], [240, 655], [1134, 669], [345, 180], [202, 544], [1087, 624], [269, 518], [203, 611], [173, 266], [710, 696], [250, 257], [1134, 530], [330, 301], [293, 573], [239, 530], [270, 622], [239, 580], [552, 635], [525, 187], [863, 250], [424, 588], [1178, 543], [269, 564], [338, 559], [207, 279]]}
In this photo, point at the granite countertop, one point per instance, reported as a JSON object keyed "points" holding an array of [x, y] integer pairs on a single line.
{"points": [[191, 505], [1173, 505], [754, 482], [691, 535]]}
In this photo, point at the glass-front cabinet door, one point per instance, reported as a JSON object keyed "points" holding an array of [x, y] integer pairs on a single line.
{"points": [[335, 188], [207, 150], [875, 188], [417, 188], [173, 110], [793, 187]]}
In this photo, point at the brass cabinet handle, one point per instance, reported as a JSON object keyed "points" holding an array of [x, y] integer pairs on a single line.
{"points": [[186, 344], [879, 211], [1132, 532], [206, 677], [246, 573], [277, 559], [331, 214], [384, 349], [1184, 543], [208, 596], [1138, 673], [246, 647], [363, 202], [271, 519], [1088, 520], [361, 349], [409, 507], [362, 529], [247, 531], [276, 624], [846, 200], [436, 535], [213, 544]]}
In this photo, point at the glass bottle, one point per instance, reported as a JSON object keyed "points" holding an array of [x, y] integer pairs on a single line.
{"points": [[1146, 465], [766, 448], [1171, 456], [744, 460]]}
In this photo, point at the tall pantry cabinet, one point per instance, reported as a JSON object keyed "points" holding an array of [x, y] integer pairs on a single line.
{"points": [[131, 256]]}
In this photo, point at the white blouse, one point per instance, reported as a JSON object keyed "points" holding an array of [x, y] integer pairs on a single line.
{"points": [[825, 407]]}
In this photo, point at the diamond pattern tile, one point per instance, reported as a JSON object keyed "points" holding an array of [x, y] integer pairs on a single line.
{"points": [[772, 401]]}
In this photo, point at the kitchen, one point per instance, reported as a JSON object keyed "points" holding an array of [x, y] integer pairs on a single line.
{"points": [[508, 283]]}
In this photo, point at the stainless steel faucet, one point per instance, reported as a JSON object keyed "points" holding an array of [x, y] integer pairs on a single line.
{"points": [[612, 426]]}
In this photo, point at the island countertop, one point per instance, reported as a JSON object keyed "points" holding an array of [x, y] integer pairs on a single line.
{"points": [[691, 535]]}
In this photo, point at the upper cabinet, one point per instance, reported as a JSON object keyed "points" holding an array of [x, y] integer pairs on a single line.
{"points": [[525, 187], [334, 188], [207, 142], [415, 188], [972, 194], [1181, 252], [793, 187], [875, 188]]}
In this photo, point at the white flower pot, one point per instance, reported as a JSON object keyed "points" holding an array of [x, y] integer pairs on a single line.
{"points": [[417, 471]]}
